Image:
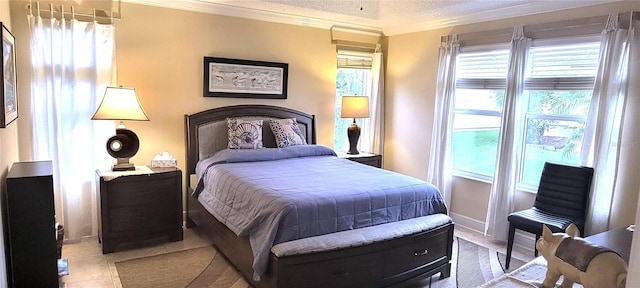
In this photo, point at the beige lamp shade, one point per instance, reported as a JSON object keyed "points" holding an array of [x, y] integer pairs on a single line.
{"points": [[355, 107], [120, 103]]}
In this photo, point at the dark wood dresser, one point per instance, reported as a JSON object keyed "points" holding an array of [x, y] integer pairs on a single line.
{"points": [[618, 240], [135, 209], [29, 226]]}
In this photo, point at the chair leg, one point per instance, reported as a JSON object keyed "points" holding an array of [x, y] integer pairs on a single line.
{"points": [[512, 232], [535, 250]]}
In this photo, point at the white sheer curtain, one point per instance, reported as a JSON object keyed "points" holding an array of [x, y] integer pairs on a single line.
{"points": [[373, 127], [72, 63], [509, 145], [603, 132], [440, 161], [633, 107]]}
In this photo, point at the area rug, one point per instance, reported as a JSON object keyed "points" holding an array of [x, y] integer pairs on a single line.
{"points": [[199, 267], [472, 266], [529, 275]]}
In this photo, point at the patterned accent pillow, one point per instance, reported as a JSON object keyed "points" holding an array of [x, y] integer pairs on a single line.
{"points": [[244, 134], [287, 132]]}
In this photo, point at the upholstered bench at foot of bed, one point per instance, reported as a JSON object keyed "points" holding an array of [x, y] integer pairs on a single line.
{"points": [[360, 237], [376, 256]]}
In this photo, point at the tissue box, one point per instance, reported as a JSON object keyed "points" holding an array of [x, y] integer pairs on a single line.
{"points": [[164, 163]]}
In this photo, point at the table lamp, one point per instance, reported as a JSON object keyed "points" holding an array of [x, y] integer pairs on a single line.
{"points": [[121, 103], [354, 107]]}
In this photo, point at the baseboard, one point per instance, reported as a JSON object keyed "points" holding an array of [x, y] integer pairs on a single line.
{"points": [[523, 240], [467, 222]]}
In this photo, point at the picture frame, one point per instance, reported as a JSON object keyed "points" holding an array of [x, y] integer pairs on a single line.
{"points": [[235, 78], [9, 99]]}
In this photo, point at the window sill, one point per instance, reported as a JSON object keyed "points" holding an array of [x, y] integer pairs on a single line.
{"points": [[527, 189], [489, 180], [474, 177]]}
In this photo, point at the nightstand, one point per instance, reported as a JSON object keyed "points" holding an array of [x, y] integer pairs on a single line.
{"points": [[370, 159], [137, 207]]}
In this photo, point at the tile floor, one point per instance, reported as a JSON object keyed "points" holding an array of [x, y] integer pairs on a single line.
{"points": [[88, 267]]}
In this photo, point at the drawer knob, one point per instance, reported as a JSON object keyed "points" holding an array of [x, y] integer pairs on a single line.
{"points": [[421, 253]]}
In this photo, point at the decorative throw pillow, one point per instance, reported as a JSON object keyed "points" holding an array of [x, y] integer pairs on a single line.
{"points": [[287, 132], [244, 134]]}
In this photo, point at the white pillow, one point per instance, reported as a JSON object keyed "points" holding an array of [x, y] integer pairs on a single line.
{"points": [[244, 134], [287, 132]]}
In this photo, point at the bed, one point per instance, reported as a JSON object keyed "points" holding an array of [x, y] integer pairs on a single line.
{"points": [[377, 253]]}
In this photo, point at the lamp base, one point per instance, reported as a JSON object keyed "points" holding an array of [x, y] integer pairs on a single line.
{"points": [[123, 146], [353, 133], [123, 167]]}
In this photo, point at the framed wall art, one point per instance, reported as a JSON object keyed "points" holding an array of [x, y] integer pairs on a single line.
{"points": [[245, 78], [9, 99]]}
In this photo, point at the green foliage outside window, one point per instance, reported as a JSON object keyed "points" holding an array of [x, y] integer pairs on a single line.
{"points": [[349, 81], [547, 139]]}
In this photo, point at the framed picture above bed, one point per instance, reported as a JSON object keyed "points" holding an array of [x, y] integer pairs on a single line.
{"points": [[9, 99], [237, 78]]}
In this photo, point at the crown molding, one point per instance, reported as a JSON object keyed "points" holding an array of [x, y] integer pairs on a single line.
{"points": [[204, 6], [531, 8], [249, 13]]}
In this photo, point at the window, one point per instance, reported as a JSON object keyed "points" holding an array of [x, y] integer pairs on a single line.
{"points": [[352, 78], [558, 86], [478, 99]]}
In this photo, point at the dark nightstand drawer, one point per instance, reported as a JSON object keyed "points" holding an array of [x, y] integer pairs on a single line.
{"points": [[370, 159], [141, 190], [142, 219], [139, 206]]}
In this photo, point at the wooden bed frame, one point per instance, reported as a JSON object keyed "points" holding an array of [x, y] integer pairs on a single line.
{"points": [[393, 262]]}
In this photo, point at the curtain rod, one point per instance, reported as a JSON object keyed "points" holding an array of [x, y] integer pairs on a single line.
{"points": [[562, 28], [60, 11]]}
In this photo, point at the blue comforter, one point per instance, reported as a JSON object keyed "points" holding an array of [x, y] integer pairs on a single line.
{"points": [[274, 195]]}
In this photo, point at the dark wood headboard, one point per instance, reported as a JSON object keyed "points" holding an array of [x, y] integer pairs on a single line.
{"points": [[212, 123]]}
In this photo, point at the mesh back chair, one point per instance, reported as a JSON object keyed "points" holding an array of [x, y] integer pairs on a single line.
{"points": [[562, 198]]}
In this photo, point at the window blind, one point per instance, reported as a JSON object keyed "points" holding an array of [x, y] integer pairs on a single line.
{"points": [[354, 59], [564, 60], [563, 67], [482, 70], [555, 67]]}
